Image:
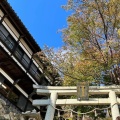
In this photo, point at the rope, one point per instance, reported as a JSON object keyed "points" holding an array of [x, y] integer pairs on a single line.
{"points": [[81, 113]]}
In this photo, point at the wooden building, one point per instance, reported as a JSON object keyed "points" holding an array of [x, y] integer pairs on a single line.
{"points": [[19, 70]]}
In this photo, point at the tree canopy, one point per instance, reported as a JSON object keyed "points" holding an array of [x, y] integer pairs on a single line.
{"points": [[92, 41]]}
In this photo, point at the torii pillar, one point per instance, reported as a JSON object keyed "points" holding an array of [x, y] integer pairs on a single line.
{"points": [[114, 105], [51, 108]]}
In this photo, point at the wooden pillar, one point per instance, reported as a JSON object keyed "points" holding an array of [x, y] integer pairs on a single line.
{"points": [[114, 105], [51, 108]]}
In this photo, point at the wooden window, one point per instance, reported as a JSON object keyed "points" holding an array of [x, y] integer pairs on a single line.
{"points": [[10, 42], [6, 37], [19, 53], [35, 72], [3, 32], [22, 102], [25, 60], [33, 69]]}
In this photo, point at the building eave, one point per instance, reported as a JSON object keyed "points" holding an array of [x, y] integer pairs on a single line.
{"points": [[5, 6]]}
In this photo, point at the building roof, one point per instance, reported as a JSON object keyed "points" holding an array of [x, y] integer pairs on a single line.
{"points": [[15, 20]]}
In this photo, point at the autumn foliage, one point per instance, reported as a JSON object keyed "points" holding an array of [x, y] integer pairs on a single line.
{"points": [[92, 41]]}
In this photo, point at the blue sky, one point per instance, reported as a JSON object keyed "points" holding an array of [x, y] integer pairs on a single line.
{"points": [[42, 18]]}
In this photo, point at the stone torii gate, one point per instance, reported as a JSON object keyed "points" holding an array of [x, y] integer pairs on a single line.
{"points": [[55, 91]]}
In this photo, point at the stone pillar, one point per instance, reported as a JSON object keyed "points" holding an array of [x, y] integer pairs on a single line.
{"points": [[51, 110], [114, 105]]}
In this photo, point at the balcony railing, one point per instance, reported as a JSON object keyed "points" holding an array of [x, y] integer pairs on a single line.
{"points": [[21, 56]]}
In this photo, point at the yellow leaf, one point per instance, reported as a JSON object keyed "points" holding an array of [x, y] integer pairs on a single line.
{"points": [[118, 32]]}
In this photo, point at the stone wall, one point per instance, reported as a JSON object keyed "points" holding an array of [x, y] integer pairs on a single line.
{"points": [[11, 114]]}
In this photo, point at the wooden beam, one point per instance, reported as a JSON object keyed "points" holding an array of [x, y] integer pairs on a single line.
{"points": [[91, 101], [41, 102], [75, 87], [74, 92]]}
